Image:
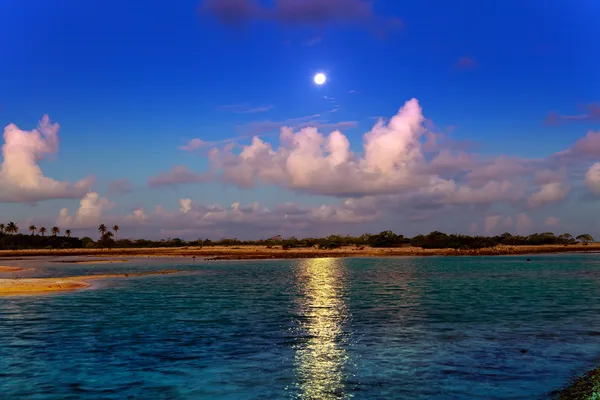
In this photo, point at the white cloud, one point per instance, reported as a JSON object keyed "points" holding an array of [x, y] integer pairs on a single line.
{"points": [[548, 193], [405, 173], [393, 162], [89, 214], [21, 178], [308, 161], [185, 205]]}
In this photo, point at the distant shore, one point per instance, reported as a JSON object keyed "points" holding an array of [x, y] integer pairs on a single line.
{"points": [[277, 252]]}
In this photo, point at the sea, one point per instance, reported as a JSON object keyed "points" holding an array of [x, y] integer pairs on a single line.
{"points": [[325, 328]]}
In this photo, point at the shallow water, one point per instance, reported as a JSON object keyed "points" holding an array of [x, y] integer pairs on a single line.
{"points": [[388, 328]]}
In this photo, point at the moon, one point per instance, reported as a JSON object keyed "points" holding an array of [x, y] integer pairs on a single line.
{"points": [[320, 78]]}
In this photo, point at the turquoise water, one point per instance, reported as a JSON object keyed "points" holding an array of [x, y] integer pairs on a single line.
{"points": [[394, 328]]}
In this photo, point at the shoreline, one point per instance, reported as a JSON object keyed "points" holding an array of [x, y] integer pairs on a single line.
{"points": [[584, 387], [276, 252], [36, 286]]}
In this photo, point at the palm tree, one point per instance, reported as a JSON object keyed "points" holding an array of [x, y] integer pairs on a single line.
{"points": [[2, 228], [12, 228], [116, 229], [55, 230], [32, 229], [42, 230], [102, 229], [68, 233]]}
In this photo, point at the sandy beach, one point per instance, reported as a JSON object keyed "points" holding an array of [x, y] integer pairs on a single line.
{"points": [[44, 285], [275, 252]]}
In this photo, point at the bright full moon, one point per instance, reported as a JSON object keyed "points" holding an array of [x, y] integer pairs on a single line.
{"points": [[320, 78]]}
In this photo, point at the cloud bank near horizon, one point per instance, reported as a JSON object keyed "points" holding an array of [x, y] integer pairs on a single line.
{"points": [[406, 175]]}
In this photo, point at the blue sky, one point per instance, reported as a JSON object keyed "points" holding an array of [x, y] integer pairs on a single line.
{"points": [[131, 82]]}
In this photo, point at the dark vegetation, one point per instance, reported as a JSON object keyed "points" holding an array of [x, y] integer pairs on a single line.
{"points": [[11, 239], [586, 387]]}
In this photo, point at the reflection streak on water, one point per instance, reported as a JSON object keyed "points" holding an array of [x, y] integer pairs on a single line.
{"points": [[320, 359]]}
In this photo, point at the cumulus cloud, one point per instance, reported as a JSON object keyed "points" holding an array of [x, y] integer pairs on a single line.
{"points": [[185, 205], [549, 193], [137, 215], [405, 168], [21, 178], [268, 127], [588, 146], [306, 160], [89, 214], [404, 173], [178, 175], [392, 162]]}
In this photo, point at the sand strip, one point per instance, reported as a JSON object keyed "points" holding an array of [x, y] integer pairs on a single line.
{"points": [[90, 261], [43, 285], [10, 269]]}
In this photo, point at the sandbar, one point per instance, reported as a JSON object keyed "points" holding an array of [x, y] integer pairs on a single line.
{"points": [[43, 285], [4, 268], [90, 261]]}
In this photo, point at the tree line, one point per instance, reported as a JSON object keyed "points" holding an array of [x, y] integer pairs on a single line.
{"points": [[10, 238], [12, 229]]}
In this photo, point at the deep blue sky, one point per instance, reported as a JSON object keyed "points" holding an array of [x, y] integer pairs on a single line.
{"points": [[130, 81]]}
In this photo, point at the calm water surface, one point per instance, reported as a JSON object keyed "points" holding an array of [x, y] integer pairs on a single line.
{"points": [[397, 328]]}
